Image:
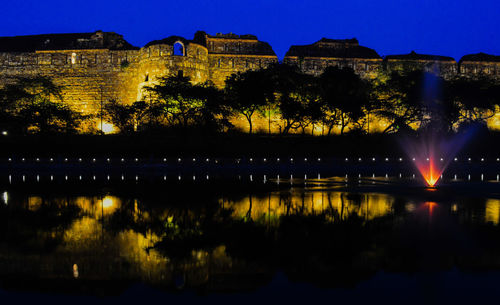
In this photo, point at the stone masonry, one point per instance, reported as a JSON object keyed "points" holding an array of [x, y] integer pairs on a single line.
{"points": [[96, 67]]}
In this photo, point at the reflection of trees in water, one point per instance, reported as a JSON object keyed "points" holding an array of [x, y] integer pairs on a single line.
{"points": [[338, 205], [335, 238], [297, 232], [36, 224], [325, 237]]}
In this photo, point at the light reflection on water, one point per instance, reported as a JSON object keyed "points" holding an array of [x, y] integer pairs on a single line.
{"points": [[492, 211], [275, 204], [116, 237], [394, 177]]}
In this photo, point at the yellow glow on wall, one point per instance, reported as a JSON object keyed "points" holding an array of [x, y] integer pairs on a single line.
{"points": [[493, 123], [106, 206], [262, 124], [107, 128], [108, 202]]}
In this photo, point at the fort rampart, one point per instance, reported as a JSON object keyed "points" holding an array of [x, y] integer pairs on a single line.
{"points": [[96, 67]]}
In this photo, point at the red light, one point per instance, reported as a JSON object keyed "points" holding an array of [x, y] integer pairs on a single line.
{"points": [[430, 171], [431, 206]]}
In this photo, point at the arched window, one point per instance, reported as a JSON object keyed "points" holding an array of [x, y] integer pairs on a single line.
{"points": [[73, 58], [179, 49]]}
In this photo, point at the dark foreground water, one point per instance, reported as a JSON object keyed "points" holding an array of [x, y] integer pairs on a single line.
{"points": [[371, 240]]}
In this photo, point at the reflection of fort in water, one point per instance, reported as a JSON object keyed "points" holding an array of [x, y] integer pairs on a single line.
{"points": [[90, 249], [343, 204]]}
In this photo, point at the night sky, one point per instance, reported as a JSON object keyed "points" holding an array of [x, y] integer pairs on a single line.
{"points": [[453, 28]]}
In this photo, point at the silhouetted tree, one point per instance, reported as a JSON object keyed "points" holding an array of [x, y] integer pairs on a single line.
{"points": [[9, 95], [176, 101], [344, 97], [36, 104], [398, 100], [476, 99], [249, 92], [296, 96], [120, 115]]}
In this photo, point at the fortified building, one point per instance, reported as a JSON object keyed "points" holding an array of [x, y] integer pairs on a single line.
{"points": [[96, 67]]}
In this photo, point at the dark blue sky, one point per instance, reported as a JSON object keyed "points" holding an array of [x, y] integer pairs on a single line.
{"points": [[453, 28]]}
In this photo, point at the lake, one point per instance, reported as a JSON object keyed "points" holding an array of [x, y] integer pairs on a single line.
{"points": [[248, 239]]}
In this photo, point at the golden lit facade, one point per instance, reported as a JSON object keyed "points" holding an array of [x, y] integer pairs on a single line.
{"points": [[93, 68]]}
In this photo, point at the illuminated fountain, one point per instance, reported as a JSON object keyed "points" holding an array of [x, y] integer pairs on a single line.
{"points": [[431, 155], [433, 151]]}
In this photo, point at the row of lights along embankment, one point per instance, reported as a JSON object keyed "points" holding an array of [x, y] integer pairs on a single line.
{"points": [[237, 160], [207, 177]]}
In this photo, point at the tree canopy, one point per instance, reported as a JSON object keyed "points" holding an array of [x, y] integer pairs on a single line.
{"points": [[176, 101], [36, 105], [337, 99]]}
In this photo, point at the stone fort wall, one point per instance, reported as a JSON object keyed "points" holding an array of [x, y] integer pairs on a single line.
{"points": [[92, 76], [87, 76], [96, 67]]}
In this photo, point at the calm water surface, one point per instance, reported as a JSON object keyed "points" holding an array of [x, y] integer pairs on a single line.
{"points": [[240, 243]]}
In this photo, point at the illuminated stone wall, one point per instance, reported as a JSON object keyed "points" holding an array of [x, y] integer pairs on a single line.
{"points": [[91, 75], [477, 69], [103, 66], [366, 68], [87, 76], [230, 53], [263, 124], [222, 66], [158, 60], [444, 68], [315, 58]]}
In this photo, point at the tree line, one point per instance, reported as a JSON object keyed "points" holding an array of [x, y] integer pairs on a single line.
{"points": [[338, 99]]}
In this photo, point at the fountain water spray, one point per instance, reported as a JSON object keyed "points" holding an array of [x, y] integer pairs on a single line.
{"points": [[433, 153]]}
